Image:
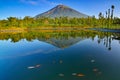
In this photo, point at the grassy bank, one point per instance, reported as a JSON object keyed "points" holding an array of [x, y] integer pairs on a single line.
{"points": [[15, 29], [51, 29]]}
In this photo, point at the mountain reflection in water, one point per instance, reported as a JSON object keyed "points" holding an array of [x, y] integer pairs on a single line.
{"points": [[62, 39]]}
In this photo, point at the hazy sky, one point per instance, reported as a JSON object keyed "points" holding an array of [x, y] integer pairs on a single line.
{"points": [[21, 8]]}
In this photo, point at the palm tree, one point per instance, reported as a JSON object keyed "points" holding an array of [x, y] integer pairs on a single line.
{"points": [[112, 7], [109, 17], [100, 15], [106, 14]]}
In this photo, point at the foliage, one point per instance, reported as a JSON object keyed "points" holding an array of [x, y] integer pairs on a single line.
{"points": [[58, 22]]}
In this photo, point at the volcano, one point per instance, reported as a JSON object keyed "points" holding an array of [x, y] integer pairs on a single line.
{"points": [[62, 11]]}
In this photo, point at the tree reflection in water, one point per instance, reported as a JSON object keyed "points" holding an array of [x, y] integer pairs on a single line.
{"points": [[62, 39]]}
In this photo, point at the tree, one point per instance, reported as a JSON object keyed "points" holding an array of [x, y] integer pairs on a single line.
{"points": [[112, 7], [28, 21], [12, 21], [100, 15], [108, 13]]}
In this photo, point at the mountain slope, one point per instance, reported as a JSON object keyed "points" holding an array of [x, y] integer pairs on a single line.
{"points": [[62, 11], [62, 42]]}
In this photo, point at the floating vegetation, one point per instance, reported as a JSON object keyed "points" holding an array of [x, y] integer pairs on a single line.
{"points": [[95, 70], [61, 74], [74, 74], [92, 61], [60, 61], [32, 67], [38, 65], [80, 75]]}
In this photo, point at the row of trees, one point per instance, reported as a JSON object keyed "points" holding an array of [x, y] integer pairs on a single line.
{"points": [[106, 21], [109, 13], [108, 17]]}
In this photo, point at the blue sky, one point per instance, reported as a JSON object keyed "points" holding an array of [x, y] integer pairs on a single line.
{"points": [[21, 8]]}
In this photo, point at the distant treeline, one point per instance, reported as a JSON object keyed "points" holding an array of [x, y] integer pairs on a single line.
{"points": [[103, 21], [58, 22]]}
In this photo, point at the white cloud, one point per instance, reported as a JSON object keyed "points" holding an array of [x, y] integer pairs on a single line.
{"points": [[37, 2], [30, 53], [32, 2], [50, 3]]}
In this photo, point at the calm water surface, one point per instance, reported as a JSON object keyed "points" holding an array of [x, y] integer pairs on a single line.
{"points": [[81, 55]]}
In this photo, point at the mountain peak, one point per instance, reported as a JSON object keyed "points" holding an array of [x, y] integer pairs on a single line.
{"points": [[61, 6], [62, 11]]}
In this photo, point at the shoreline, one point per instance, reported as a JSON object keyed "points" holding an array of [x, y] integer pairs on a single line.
{"points": [[106, 30], [7, 30], [51, 29]]}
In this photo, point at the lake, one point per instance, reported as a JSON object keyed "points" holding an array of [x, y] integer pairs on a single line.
{"points": [[57, 55]]}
